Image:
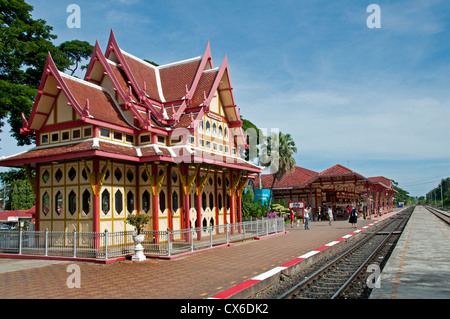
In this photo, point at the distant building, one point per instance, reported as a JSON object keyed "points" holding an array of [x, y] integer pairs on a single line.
{"points": [[337, 186]]}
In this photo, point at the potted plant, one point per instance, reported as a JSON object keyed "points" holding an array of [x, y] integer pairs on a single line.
{"points": [[138, 221]]}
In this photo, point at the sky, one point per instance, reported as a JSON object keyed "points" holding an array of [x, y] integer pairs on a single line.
{"points": [[376, 100]]}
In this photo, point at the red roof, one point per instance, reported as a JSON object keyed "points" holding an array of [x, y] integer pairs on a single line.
{"points": [[383, 180], [146, 153], [296, 179], [337, 170], [302, 177], [160, 98], [26, 213], [102, 107]]}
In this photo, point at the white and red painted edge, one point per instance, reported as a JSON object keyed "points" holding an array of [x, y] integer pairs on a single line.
{"points": [[250, 282]]}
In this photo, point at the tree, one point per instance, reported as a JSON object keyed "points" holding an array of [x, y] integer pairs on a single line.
{"points": [[440, 194], [282, 161], [22, 196], [402, 195], [24, 45], [75, 51], [18, 189]]}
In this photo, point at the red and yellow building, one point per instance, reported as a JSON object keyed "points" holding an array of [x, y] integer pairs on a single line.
{"points": [[132, 137], [337, 186]]}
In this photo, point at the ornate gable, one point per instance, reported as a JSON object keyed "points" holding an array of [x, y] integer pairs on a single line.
{"points": [[151, 112]]}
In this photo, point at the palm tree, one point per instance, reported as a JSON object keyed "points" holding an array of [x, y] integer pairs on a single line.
{"points": [[281, 152]]}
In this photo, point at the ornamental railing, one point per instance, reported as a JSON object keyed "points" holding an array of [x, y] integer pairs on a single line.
{"points": [[109, 245]]}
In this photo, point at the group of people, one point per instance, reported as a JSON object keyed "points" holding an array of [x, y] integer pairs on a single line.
{"points": [[353, 216]]}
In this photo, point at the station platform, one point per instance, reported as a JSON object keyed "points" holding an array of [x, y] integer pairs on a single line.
{"points": [[419, 266], [214, 274]]}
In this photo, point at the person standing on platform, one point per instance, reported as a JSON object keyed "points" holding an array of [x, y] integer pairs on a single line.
{"points": [[330, 215], [353, 217], [306, 217], [292, 218]]}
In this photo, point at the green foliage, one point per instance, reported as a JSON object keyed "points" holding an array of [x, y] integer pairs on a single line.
{"points": [[24, 45], [18, 189], [12, 175], [282, 153], [139, 221], [76, 51], [402, 195], [250, 209], [439, 194], [22, 196]]}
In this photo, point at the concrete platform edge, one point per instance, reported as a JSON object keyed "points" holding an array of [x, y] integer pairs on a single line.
{"points": [[262, 281]]}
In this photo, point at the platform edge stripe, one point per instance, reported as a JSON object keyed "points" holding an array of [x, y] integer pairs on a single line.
{"points": [[347, 236], [292, 262], [233, 290], [269, 273], [307, 255], [334, 242]]}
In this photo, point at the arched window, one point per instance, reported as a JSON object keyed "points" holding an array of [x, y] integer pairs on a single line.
{"points": [[118, 202], [86, 201], [105, 201], [214, 129], [162, 201], [146, 201], [203, 200], [130, 202], [72, 202], [220, 201], [45, 203], [72, 173], [174, 201], [174, 177], [58, 202], [130, 175], [58, 175], [208, 127], [118, 174], [45, 176], [211, 201]]}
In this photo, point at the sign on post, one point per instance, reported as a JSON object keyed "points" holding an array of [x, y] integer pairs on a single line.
{"points": [[297, 205]]}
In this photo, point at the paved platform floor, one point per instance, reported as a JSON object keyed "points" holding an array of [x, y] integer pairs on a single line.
{"points": [[419, 266], [196, 276]]}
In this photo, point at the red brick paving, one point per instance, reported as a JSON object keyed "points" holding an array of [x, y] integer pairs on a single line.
{"points": [[194, 276]]}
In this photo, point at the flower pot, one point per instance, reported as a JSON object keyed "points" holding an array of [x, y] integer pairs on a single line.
{"points": [[138, 248]]}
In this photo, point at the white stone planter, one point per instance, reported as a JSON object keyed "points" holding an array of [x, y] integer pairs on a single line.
{"points": [[138, 248]]}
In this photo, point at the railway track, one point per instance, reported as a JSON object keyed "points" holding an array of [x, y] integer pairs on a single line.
{"points": [[444, 216], [345, 274]]}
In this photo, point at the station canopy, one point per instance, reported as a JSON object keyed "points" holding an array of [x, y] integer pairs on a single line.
{"points": [[337, 178]]}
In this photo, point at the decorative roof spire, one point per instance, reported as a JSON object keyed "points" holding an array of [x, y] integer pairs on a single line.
{"points": [[86, 109]]}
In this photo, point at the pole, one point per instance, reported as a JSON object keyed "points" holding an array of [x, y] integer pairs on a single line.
{"points": [[442, 193]]}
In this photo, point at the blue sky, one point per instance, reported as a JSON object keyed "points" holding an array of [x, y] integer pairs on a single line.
{"points": [[374, 100]]}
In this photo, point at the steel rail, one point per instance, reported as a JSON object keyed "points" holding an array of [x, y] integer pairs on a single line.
{"points": [[368, 259], [357, 245], [444, 217]]}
